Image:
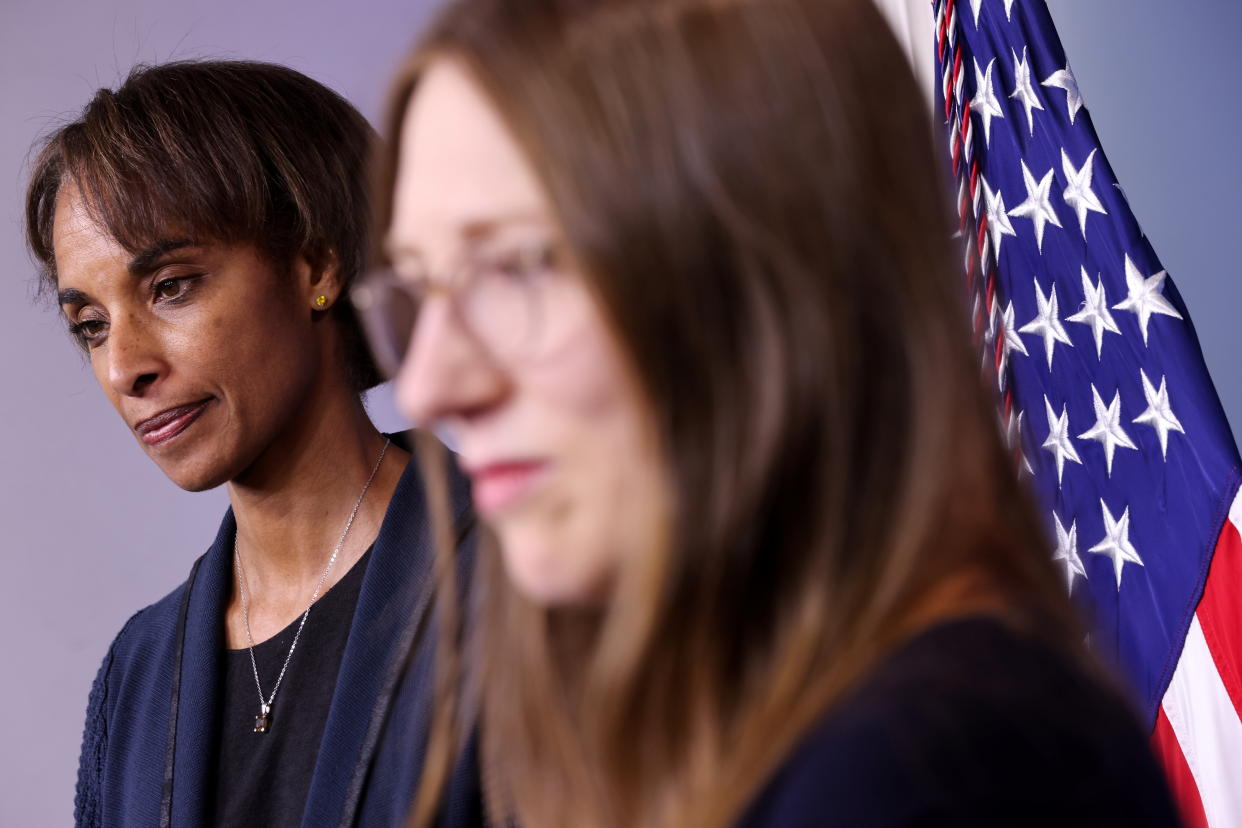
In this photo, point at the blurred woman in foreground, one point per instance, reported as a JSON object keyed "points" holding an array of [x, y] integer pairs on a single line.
{"points": [[684, 297]]}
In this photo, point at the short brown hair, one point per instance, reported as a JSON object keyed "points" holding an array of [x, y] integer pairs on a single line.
{"points": [[237, 151]]}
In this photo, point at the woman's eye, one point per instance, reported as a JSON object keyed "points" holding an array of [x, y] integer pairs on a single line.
{"points": [[87, 331], [512, 269], [170, 288], [526, 264]]}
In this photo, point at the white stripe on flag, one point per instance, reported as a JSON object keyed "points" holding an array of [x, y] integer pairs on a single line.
{"points": [[1207, 728]]}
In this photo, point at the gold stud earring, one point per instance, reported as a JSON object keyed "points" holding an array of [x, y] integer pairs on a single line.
{"points": [[321, 300]]}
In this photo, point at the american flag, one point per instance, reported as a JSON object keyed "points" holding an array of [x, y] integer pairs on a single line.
{"points": [[1104, 393]]}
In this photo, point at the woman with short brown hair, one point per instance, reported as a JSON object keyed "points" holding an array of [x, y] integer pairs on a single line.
{"points": [[200, 227]]}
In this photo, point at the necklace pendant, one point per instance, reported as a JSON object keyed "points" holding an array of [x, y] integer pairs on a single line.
{"points": [[264, 720]]}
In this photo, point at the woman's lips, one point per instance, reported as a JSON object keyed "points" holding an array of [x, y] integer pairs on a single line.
{"points": [[499, 485], [166, 426]]}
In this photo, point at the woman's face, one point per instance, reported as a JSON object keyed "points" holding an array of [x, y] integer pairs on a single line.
{"points": [[204, 349], [515, 359]]}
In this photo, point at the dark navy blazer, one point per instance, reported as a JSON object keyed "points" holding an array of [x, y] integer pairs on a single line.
{"points": [[148, 752]]}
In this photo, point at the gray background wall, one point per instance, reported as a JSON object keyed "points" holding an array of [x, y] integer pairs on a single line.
{"points": [[92, 531]]}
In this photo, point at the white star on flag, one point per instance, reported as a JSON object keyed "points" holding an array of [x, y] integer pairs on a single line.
{"points": [[1107, 429], [1009, 10], [1095, 311], [1046, 323], [1023, 90], [999, 225], [985, 101], [1116, 543], [1058, 441], [974, 7], [1013, 342], [1038, 206], [1064, 79], [1159, 414], [1067, 552], [1078, 194], [1146, 296]]}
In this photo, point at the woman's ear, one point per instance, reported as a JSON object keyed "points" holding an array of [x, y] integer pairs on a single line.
{"points": [[319, 282]]}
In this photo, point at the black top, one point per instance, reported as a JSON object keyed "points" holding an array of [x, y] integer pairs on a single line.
{"points": [[262, 779], [971, 724]]}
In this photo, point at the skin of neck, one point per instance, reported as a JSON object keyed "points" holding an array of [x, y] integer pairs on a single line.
{"points": [[292, 504]]}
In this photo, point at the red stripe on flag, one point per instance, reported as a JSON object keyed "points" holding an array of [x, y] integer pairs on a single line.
{"points": [[1177, 772], [1220, 612]]}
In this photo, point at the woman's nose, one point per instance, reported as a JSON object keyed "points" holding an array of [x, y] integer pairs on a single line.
{"points": [[134, 359], [446, 374]]}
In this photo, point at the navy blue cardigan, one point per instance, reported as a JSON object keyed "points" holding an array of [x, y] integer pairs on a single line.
{"points": [[148, 749]]}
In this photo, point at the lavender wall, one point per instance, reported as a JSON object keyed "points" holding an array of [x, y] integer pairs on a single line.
{"points": [[92, 531]]}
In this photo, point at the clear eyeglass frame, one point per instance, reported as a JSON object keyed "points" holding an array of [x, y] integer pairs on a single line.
{"points": [[498, 299]]}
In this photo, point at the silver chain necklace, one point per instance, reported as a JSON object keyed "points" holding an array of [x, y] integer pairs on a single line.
{"points": [[263, 721]]}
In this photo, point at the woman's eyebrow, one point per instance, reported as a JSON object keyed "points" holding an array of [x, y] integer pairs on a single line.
{"points": [[72, 297], [470, 233], [146, 261], [481, 229]]}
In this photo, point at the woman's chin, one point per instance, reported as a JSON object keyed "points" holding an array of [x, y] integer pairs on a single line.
{"points": [[551, 573], [204, 468], [194, 477]]}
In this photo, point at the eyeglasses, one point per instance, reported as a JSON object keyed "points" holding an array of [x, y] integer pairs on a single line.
{"points": [[499, 297]]}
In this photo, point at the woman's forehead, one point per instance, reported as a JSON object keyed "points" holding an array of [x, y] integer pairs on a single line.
{"points": [[459, 165], [79, 225], [77, 235]]}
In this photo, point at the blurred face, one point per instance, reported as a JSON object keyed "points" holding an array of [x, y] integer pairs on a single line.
{"points": [[205, 351], [512, 355]]}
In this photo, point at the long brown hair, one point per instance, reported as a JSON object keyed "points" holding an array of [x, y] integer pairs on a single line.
{"points": [[751, 190]]}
